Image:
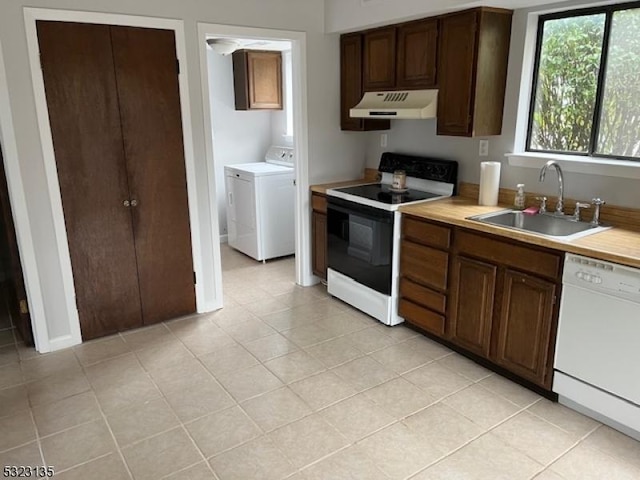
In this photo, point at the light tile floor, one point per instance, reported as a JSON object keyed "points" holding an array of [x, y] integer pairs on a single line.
{"points": [[286, 382]]}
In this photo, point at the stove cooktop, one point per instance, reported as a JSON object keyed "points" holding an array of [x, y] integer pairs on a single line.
{"points": [[382, 193]]}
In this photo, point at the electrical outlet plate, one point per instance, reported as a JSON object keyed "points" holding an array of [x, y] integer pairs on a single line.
{"points": [[384, 139], [484, 148]]}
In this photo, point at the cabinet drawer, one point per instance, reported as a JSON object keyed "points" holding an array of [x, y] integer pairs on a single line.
{"points": [[422, 317], [424, 265], [426, 233], [422, 296], [319, 203], [519, 257]]}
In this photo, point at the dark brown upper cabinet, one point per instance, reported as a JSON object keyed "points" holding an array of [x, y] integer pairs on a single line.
{"points": [[351, 85], [472, 72], [257, 80], [380, 59], [463, 54], [417, 53]]}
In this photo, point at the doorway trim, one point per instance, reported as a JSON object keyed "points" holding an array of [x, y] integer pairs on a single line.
{"points": [[300, 140], [31, 15], [21, 215]]}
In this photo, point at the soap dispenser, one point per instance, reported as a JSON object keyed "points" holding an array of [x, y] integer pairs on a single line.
{"points": [[519, 200]]}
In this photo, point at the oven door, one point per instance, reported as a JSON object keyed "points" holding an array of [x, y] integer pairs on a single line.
{"points": [[360, 243]]}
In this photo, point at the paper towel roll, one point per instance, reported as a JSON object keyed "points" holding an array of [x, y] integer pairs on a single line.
{"points": [[489, 183]]}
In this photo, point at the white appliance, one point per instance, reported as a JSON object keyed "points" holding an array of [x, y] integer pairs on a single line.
{"points": [[412, 104], [363, 232], [598, 348], [261, 205]]}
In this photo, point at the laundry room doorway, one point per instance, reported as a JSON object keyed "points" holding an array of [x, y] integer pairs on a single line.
{"points": [[253, 81]]}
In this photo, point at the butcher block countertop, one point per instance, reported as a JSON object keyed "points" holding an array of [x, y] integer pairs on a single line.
{"points": [[618, 245]]}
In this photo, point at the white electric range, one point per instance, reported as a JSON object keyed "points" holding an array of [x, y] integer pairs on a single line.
{"points": [[363, 231]]}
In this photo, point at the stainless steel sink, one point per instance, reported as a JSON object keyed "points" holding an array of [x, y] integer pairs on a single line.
{"points": [[562, 228]]}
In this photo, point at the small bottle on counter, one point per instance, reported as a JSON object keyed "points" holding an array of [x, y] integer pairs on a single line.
{"points": [[519, 200]]}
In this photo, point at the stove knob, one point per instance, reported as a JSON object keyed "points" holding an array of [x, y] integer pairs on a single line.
{"points": [[597, 280], [587, 278], [580, 275]]}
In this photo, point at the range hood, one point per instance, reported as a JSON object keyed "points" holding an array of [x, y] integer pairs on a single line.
{"points": [[411, 104]]}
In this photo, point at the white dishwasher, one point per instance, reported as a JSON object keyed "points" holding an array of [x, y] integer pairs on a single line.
{"points": [[597, 359]]}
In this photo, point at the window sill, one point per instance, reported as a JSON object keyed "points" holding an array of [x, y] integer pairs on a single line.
{"points": [[578, 164], [288, 139]]}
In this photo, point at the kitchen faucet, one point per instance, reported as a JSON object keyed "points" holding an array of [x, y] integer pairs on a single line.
{"points": [[543, 172]]}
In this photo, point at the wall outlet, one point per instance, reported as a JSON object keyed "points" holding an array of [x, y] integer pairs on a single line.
{"points": [[484, 148], [384, 140]]}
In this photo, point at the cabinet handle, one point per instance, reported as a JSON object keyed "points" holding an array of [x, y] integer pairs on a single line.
{"points": [[126, 203], [134, 203], [230, 198]]}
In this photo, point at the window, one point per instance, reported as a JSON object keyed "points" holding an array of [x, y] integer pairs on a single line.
{"points": [[586, 91]]}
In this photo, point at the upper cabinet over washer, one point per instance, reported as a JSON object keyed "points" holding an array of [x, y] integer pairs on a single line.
{"points": [[257, 80]]}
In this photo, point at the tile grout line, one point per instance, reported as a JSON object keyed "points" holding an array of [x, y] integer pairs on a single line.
{"points": [[106, 422], [486, 431], [313, 411]]}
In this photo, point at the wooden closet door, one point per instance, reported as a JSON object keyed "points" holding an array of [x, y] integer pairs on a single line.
{"points": [[80, 87], [147, 76]]}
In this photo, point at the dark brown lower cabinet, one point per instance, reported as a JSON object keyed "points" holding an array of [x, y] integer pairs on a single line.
{"points": [[471, 319], [319, 229], [424, 267], [525, 326], [114, 109], [494, 298], [319, 235]]}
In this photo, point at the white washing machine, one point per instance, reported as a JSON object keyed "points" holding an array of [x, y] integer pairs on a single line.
{"points": [[261, 205]]}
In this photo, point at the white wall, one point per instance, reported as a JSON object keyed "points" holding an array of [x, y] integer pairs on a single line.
{"points": [[238, 136], [350, 15], [418, 137], [279, 117], [332, 154]]}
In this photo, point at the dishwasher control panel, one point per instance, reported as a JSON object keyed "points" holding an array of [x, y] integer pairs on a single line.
{"points": [[607, 277]]}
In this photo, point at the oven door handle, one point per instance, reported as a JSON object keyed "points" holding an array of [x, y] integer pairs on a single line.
{"points": [[383, 217]]}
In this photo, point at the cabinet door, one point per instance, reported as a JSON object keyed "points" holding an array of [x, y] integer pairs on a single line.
{"points": [[456, 73], [350, 80], [417, 54], [351, 85], [472, 304], [257, 80], [319, 238], [265, 80], [380, 59], [82, 100], [525, 326], [149, 98]]}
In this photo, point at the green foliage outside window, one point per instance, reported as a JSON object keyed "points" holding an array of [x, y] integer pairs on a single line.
{"points": [[567, 85], [619, 133]]}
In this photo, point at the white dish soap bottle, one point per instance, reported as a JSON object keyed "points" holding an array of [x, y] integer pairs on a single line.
{"points": [[519, 200]]}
